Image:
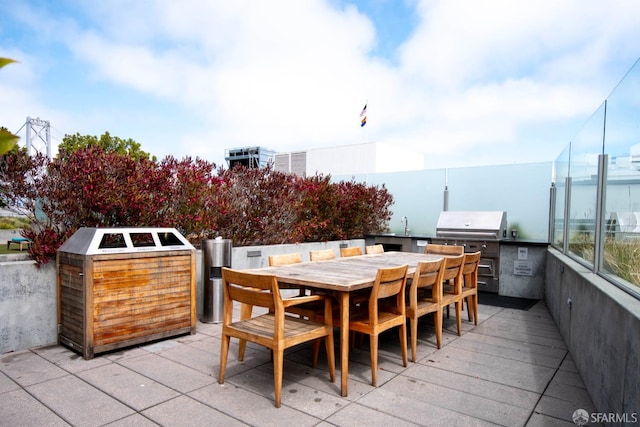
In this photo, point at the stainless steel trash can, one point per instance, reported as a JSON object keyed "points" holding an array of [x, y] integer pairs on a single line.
{"points": [[216, 253]]}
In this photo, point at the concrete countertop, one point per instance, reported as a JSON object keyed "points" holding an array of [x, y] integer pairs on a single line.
{"points": [[429, 237]]}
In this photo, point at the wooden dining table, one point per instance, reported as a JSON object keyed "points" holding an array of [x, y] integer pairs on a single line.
{"points": [[343, 277]]}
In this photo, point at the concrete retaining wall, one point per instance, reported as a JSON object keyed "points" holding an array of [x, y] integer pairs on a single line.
{"points": [[28, 305], [28, 300], [600, 324]]}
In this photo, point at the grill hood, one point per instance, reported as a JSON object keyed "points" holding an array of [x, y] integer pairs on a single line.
{"points": [[472, 224]]}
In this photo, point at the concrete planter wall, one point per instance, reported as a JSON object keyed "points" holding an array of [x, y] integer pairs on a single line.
{"points": [[28, 296], [28, 305], [600, 325]]}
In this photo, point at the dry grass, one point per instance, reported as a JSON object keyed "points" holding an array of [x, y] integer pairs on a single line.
{"points": [[12, 222], [621, 256]]}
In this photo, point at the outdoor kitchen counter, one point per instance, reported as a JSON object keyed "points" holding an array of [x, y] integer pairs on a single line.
{"points": [[417, 242], [521, 270], [525, 242]]}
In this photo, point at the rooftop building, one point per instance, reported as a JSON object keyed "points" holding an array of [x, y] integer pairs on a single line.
{"points": [[372, 157]]}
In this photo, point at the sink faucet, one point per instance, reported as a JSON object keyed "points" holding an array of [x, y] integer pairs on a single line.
{"points": [[406, 225]]}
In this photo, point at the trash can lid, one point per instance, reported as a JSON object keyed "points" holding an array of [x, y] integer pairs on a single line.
{"points": [[92, 241]]}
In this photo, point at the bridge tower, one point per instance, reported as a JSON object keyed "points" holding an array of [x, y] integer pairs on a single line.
{"points": [[38, 136]]}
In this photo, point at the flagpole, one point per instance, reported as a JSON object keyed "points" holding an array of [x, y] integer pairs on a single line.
{"points": [[366, 134], [363, 121]]}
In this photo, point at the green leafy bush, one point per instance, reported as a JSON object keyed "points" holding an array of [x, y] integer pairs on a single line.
{"points": [[7, 139], [91, 187]]}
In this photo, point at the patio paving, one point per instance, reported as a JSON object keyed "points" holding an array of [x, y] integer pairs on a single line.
{"points": [[513, 369]]}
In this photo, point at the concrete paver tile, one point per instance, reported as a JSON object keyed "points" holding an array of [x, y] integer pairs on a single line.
{"points": [[209, 329], [317, 402], [250, 408], [6, 384], [19, 408], [541, 420], [493, 368], [357, 414], [27, 368], [183, 411], [471, 405], [135, 420], [69, 360], [568, 392], [79, 403], [469, 384], [129, 387], [499, 330], [517, 350], [124, 353], [561, 409], [408, 408], [169, 373], [513, 350]]}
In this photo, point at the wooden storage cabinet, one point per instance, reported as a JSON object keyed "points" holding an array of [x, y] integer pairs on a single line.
{"points": [[110, 298]]}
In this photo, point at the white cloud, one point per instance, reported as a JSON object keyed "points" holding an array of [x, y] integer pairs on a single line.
{"points": [[292, 74]]}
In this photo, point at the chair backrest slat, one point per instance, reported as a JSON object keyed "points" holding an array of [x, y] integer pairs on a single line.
{"points": [[352, 251], [374, 249], [471, 261], [470, 269], [428, 274], [253, 289], [391, 281], [432, 248], [453, 267], [284, 259], [322, 255]]}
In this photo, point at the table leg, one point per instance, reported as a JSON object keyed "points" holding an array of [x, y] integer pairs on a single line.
{"points": [[344, 342]]}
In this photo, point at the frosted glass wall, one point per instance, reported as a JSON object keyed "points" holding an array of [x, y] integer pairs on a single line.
{"points": [[521, 190]]}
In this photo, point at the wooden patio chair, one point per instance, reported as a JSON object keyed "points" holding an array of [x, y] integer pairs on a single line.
{"points": [[374, 318], [452, 286], [427, 277], [274, 330], [322, 255], [374, 249], [470, 284], [352, 251], [443, 249], [284, 259], [446, 250], [310, 310]]}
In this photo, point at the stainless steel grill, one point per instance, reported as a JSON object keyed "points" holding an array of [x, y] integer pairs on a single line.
{"points": [[476, 231]]}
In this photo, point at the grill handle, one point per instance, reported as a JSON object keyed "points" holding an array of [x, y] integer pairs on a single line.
{"points": [[467, 235]]}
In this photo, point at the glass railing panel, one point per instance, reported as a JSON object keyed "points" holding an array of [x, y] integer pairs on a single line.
{"points": [[621, 254], [560, 175], [583, 170]]}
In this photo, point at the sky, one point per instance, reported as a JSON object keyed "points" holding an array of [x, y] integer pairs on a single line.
{"points": [[461, 82]]}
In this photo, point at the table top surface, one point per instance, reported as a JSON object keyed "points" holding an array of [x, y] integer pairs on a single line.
{"points": [[344, 274]]}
